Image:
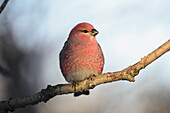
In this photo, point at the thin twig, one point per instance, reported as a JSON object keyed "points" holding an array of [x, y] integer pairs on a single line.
{"points": [[3, 5], [45, 94]]}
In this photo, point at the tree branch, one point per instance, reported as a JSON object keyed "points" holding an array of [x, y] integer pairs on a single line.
{"points": [[3, 5], [45, 94]]}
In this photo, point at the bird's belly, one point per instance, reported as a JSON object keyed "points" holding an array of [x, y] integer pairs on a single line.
{"points": [[80, 62], [82, 67], [78, 75]]}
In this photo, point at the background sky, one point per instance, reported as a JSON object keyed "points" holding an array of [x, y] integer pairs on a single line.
{"points": [[128, 30]]}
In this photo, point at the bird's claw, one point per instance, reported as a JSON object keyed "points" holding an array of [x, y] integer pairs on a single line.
{"points": [[74, 83], [91, 76]]}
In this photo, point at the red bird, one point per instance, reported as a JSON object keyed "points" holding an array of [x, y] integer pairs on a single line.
{"points": [[81, 55]]}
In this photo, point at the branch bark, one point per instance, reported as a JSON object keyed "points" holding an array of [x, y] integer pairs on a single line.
{"points": [[45, 94], [3, 5]]}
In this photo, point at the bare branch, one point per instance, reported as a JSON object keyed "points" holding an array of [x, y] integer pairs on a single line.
{"points": [[3, 5], [126, 74]]}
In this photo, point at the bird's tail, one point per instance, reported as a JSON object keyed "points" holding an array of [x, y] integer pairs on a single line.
{"points": [[76, 94]]}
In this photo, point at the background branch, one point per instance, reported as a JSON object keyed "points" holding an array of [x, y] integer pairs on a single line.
{"points": [[3, 5], [4, 71], [45, 94]]}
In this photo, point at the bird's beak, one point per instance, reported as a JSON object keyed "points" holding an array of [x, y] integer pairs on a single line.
{"points": [[94, 32]]}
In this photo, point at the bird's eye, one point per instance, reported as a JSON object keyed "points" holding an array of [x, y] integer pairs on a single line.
{"points": [[85, 31]]}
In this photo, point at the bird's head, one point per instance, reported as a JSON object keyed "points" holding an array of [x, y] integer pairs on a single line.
{"points": [[83, 32]]}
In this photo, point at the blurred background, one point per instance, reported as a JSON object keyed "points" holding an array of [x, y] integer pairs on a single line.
{"points": [[32, 33]]}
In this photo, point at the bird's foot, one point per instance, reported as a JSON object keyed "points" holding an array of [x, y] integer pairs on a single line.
{"points": [[91, 76], [74, 83]]}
